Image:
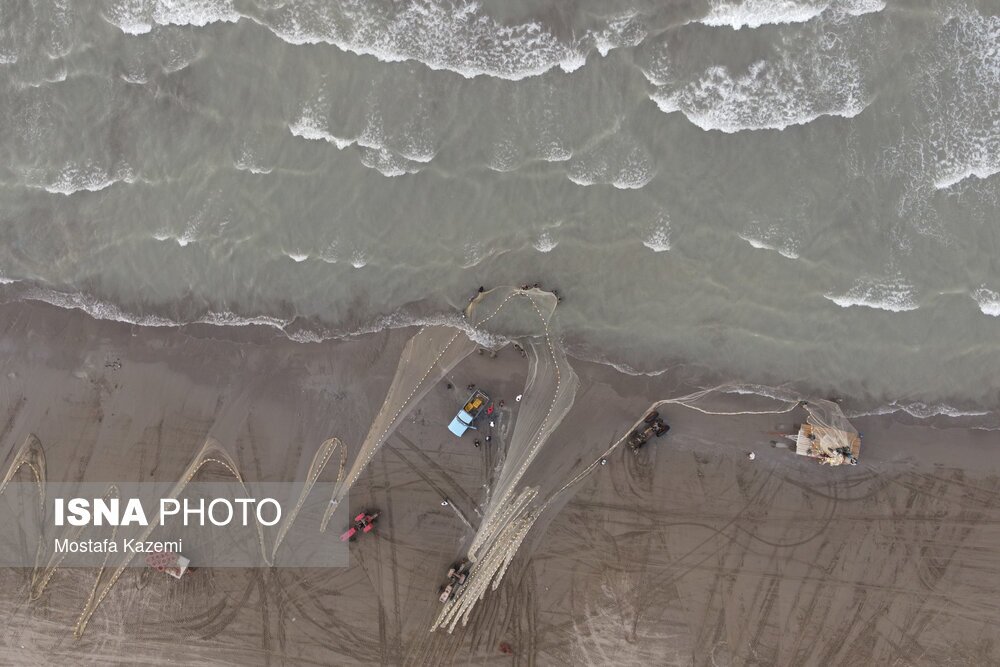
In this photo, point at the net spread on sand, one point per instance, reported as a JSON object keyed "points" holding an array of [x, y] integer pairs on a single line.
{"points": [[827, 435], [492, 319]]}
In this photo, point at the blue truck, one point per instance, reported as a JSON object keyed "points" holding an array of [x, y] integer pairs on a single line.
{"points": [[467, 415]]}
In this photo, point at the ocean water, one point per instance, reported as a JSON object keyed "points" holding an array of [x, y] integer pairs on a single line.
{"points": [[777, 191]]}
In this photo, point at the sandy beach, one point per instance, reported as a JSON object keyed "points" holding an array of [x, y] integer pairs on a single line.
{"points": [[685, 553]]}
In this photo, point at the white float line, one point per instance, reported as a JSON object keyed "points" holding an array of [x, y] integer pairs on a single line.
{"points": [[548, 414], [416, 388]]}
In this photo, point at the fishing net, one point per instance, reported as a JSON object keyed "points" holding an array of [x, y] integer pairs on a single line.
{"points": [[828, 435], [492, 319], [524, 316], [426, 358]]}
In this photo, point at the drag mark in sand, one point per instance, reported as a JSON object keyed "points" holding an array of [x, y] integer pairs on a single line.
{"points": [[507, 521], [686, 401], [32, 455]]}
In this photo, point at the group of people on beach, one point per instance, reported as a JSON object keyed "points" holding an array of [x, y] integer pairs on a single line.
{"points": [[524, 287], [527, 287]]}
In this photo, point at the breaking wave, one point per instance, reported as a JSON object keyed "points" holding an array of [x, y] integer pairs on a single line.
{"points": [[310, 126], [85, 177], [619, 161], [371, 143], [810, 74], [988, 301], [756, 13], [250, 162], [658, 238], [450, 35], [99, 310], [138, 18], [545, 242], [771, 238], [920, 411], [894, 295], [767, 97], [299, 331], [960, 86]]}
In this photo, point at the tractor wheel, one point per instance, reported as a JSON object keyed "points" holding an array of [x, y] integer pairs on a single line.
{"points": [[651, 417]]}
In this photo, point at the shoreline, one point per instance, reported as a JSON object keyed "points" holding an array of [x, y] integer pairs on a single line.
{"points": [[109, 401], [302, 330]]}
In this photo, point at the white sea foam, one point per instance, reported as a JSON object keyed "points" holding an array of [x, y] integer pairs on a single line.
{"points": [[138, 18], [455, 35], [135, 77], [623, 31], [416, 149], [230, 319], [473, 254], [771, 238], [783, 394], [619, 161], [545, 242], [553, 151], [188, 236], [297, 256], [755, 13], [918, 410], [914, 408], [358, 259], [194, 12], [130, 24], [99, 310], [658, 239], [330, 254], [769, 96], [988, 300], [416, 143], [311, 126], [437, 34], [654, 61], [622, 367], [387, 163], [248, 161], [83, 177], [817, 70], [505, 156], [955, 176], [738, 14], [961, 83], [892, 294], [253, 169], [60, 75], [309, 336]]}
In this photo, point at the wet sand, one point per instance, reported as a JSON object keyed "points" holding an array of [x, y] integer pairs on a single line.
{"points": [[687, 553]]}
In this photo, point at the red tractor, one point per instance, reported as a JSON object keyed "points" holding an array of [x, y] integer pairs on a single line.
{"points": [[363, 523]]}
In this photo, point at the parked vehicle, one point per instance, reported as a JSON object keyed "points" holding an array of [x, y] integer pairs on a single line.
{"points": [[473, 407], [363, 523]]}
